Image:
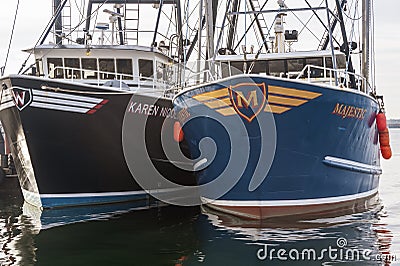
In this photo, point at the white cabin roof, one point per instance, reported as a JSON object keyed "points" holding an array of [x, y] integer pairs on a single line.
{"points": [[117, 51], [272, 56]]}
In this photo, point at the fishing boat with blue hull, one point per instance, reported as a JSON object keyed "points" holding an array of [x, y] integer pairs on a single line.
{"points": [[292, 132], [65, 119]]}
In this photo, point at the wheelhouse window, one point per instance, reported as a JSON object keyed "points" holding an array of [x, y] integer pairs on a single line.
{"points": [[89, 68], [72, 68], [161, 71], [237, 67], [276, 67], [55, 67], [260, 67], [295, 65], [145, 68], [225, 69], [107, 68], [124, 67], [39, 67], [328, 62], [315, 72], [341, 61]]}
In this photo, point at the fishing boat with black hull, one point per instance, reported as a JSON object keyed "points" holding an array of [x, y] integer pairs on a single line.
{"points": [[65, 119], [295, 129]]}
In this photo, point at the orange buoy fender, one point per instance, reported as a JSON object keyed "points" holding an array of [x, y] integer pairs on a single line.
{"points": [[386, 152], [178, 132], [384, 137], [384, 142], [381, 121]]}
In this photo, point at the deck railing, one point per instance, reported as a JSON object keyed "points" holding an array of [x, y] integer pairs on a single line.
{"points": [[133, 82], [209, 72], [330, 75]]}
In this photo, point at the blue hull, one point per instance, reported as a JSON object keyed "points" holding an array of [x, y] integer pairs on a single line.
{"points": [[281, 143]]}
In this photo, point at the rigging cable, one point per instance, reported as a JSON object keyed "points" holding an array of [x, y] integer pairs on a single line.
{"points": [[260, 49], [11, 37], [69, 34], [186, 36], [248, 29], [373, 66]]}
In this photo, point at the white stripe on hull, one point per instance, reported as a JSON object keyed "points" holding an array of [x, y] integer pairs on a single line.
{"points": [[59, 107], [287, 203], [54, 101], [63, 102], [66, 96], [108, 194]]}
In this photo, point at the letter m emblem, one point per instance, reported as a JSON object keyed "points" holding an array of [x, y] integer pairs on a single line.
{"points": [[22, 97], [248, 99]]}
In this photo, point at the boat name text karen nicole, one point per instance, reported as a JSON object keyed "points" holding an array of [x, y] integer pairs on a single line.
{"points": [[151, 109]]}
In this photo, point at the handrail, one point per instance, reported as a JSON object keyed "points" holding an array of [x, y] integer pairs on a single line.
{"points": [[361, 82], [306, 72], [139, 80], [194, 77]]}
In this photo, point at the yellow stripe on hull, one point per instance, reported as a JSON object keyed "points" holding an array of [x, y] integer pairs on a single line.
{"points": [[293, 92]]}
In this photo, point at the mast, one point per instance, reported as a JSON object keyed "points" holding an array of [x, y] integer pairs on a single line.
{"points": [[260, 29], [366, 17], [153, 43], [58, 21], [57, 13], [346, 44], [120, 33], [232, 26], [333, 26], [210, 22]]}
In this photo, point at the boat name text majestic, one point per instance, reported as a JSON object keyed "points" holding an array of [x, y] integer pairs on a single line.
{"points": [[349, 111]]}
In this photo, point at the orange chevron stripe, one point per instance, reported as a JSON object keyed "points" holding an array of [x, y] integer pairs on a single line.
{"points": [[225, 102], [211, 95], [276, 109], [285, 101], [218, 100], [293, 92], [227, 111]]}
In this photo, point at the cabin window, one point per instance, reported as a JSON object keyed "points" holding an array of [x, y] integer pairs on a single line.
{"points": [[276, 67], [72, 68], [315, 72], [328, 62], [260, 67], [225, 69], [106, 68], [89, 66], [161, 71], [237, 68], [39, 68], [124, 67], [341, 61], [55, 68], [295, 65], [316, 61], [145, 68]]}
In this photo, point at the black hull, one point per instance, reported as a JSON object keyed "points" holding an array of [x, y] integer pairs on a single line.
{"points": [[76, 157]]}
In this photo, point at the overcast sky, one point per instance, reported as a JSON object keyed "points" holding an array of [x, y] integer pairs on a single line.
{"points": [[33, 16]]}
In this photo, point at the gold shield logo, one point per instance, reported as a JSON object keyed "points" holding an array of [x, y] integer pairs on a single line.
{"points": [[248, 99]]}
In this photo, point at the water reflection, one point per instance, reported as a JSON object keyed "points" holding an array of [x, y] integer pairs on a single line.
{"points": [[16, 242], [357, 237], [150, 234]]}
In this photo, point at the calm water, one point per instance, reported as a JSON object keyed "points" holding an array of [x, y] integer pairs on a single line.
{"points": [[161, 235]]}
